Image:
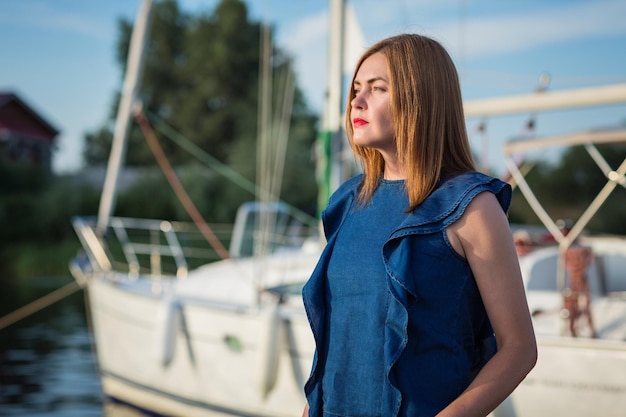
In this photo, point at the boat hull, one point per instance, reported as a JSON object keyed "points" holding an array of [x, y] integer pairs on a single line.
{"points": [[573, 377], [216, 364]]}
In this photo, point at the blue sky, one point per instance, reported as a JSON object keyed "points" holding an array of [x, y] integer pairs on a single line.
{"points": [[59, 56]]}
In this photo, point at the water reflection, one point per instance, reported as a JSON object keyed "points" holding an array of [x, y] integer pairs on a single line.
{"points": [[47, 367]]}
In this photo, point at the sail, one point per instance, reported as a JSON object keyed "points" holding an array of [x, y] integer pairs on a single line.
{"points": [[346, 43]]}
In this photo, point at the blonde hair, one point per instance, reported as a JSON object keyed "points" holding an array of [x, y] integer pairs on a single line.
{"points": [[427, 113]]}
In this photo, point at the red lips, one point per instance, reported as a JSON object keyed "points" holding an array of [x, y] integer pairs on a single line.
{"points": [[358, 122]]}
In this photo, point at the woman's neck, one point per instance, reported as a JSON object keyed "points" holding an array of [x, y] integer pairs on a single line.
{"points": [[393, 171]]}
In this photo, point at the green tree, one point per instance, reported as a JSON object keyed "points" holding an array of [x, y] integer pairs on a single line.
{"points": [[201, 77], [35, 213], [22, 183], [567, 187]]}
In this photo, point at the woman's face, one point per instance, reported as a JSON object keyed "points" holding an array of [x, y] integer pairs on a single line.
{"points": [[370, 111]]}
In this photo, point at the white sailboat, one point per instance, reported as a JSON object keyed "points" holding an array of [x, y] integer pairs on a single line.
{"points": [[231, 337], [183, 337], [574, 376]]}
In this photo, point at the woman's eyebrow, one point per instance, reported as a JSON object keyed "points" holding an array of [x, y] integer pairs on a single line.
{"points": [[370, 81]]}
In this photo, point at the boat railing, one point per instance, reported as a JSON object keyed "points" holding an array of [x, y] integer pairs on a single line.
{"points": [[160, 248], [147, 246]]}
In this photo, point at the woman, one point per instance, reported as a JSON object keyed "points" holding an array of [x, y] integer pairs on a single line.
{"points": [[417, 304]]}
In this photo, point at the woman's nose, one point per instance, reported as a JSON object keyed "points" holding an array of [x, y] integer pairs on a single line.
{"points": [[358, 101]]}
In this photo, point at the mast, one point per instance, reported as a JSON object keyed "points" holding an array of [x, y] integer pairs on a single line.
{"points": [[130, 89], [330, 140]]}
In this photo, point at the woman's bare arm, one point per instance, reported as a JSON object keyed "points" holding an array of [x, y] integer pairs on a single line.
{"points": [[483, 236]]}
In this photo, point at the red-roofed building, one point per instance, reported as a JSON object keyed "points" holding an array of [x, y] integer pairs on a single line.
{"points": [[24, 135]]}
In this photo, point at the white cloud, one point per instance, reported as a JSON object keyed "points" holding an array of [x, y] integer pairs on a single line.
{"points": [[305, 31], [506, 34], [44, 15], [462, 31]]}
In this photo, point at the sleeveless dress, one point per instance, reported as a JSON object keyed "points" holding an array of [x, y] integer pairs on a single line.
{"points": [[436, 335], [357, 297]]}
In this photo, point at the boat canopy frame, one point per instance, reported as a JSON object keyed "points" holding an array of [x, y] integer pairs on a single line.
{"points": [[589, 140], [541, 101], [614, 178]]}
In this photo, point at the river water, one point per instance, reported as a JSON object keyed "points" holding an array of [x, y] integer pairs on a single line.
{"points": [[47, 366]]}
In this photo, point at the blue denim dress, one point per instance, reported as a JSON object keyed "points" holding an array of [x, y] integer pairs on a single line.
{"points": [[437, 335], [356, 292]]}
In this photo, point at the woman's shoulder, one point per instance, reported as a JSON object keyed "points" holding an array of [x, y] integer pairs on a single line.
{"points": [[447, 203], [467, 185], [470, 178], [339, 203], [348, 186], [348, 189]]}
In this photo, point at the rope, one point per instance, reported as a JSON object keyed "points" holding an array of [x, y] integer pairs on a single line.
{"points": [[224, 170], [178, 188], [39, 304]]}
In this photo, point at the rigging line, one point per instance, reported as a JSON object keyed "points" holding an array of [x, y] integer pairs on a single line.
{"points": [[279, 129], [39, 304], [263, 192], [176, 185], [282, 124], [264, 114], [226, 171], [197, 152]]}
